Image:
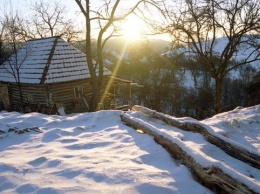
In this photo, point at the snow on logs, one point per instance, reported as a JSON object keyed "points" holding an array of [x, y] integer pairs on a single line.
{"points": [[229, 146], [211, 176]]}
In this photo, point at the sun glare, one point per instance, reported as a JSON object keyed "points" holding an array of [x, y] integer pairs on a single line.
{"points": [[132, 28]]}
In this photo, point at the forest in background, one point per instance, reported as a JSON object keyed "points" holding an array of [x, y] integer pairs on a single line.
{"points": [[176, 85]]}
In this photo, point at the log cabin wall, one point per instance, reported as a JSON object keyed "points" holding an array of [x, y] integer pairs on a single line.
{"points": [[32, 94], [61, 94], [4, 97], [1, 93], [70, 95], [74, 96]]}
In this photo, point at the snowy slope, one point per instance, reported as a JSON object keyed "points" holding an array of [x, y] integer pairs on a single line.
{"points": [[85, 153], [97, 153], [243, 51], [207, 154], [240, 125]]}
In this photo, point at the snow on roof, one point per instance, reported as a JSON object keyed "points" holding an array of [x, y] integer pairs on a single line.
{"points": [[48, 60], [124, 56]]}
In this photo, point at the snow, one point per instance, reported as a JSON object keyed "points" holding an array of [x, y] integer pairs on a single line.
{"points": [[66, 64], [242, 53], [203, 152], [239, 125], [187, 78], [122, 56], [97, 153]]}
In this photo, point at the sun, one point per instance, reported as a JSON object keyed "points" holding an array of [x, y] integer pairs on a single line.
{"points": [[132, 28]]}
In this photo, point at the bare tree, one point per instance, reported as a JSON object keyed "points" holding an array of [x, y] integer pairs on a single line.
{"points": [[200, 23], [107, 16], [2, 50], [14, 35], [11, 24], [49, 20]]}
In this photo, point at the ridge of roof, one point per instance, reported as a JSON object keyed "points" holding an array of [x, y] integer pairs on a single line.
{"points": [[35, 39], [46, 68]]}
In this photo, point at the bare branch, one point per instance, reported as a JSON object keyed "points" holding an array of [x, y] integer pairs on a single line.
{"points": [[200, 23], [49, 20]]}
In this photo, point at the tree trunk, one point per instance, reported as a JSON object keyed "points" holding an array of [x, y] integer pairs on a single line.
{"points": [[94, 78], [21, 96], [95, 95], [218, 94]]}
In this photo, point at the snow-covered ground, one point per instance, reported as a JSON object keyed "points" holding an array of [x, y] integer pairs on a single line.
{"points": [[97, 153], [240, 125]]}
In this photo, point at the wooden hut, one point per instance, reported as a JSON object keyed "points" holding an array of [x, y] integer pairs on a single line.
{"points": [[52, 73]]}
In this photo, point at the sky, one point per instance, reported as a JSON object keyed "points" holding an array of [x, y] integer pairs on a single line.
{"points": [[23, 5], [134, 28], [98, 153]]}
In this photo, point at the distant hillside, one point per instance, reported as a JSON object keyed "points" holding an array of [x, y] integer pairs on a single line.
{"points": [[118, 44], [157, 45], [243, 51]]}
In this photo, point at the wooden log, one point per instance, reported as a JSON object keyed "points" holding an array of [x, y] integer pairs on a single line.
{"points": [[222, 142], [212, 177]]}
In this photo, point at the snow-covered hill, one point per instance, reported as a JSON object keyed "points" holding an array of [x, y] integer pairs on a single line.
{"points": [[243, 51], [241, 54], [97, 153]]}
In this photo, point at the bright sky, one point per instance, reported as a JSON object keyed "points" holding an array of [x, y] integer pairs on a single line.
{"points": [[23, 5], [132, 29]]}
